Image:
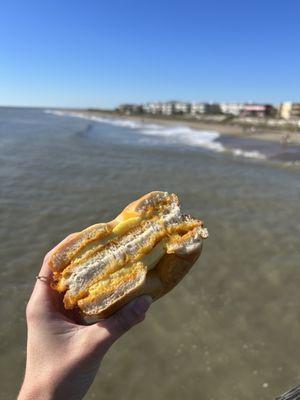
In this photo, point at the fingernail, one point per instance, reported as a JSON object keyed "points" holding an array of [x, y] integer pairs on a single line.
{"points": [[141, 304]]}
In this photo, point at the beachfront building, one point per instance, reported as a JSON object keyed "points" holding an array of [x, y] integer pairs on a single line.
{"points": [[175, 107], [181, 107], [153, 108], [257, 110], [289, 110], [205, 108], [168, 108], [295, 111], [231, 108], [198, 108], [130, 108]]}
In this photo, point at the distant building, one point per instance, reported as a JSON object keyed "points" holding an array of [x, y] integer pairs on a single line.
{"points": [[257, 110], [168, 108], [295, 111], [175, 107], [181, 107], [289, 110], [231, 108], [198, 108], [130, 108], [276, 109], [153, 108], [205, 108]]}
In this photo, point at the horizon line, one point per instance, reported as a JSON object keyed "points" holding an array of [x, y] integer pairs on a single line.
{"points": [[140, 103]]}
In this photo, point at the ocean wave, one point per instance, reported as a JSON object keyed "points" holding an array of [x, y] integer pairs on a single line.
{"points": [[177, 134], [125, 123], [117, 122], [56, 112], [249, 154], [185, 135]]}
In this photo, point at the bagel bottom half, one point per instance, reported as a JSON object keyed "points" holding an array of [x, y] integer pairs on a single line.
{"points": [[156, 283]]}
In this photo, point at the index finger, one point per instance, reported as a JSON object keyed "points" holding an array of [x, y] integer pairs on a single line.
{"points": [[42, 287], [45, 269]]}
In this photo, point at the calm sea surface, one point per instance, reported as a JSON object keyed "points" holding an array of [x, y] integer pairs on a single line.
{"points": [[231, 329]]}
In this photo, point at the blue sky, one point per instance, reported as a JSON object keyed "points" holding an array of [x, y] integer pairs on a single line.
{"points": [[102, 53]]}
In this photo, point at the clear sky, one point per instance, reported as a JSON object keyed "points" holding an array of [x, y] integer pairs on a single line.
{"points": [[94, 53]]}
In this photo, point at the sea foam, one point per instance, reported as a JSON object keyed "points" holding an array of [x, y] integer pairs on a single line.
{"points": [[176, 134], [185, 135]]}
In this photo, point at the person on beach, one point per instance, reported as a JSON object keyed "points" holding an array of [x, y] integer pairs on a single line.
{"points": [[62, 356], [285, 139]]}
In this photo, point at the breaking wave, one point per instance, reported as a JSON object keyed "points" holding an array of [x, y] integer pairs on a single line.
{"points": [[185, 135], [176, 134]]}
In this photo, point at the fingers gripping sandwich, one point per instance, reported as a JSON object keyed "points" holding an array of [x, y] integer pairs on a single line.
{"points": [[147, 249]]}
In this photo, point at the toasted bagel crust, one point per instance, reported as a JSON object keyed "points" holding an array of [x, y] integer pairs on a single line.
{"points": [[167, 273]]}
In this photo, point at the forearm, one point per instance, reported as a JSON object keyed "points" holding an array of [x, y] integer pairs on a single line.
{"points": [[49, 387], [39, 383], [58, 380], [35, 390]]}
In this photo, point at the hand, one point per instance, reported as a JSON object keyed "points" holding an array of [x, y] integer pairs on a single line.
{"points": [[63, 357]]}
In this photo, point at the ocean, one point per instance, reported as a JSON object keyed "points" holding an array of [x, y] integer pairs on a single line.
{"points": [[230, 330]]}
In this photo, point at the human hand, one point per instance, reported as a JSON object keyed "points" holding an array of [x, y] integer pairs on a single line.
{"points": [[63, 357]]}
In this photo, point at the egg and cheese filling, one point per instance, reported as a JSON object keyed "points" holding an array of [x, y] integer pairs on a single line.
{"points": [[129, 248], [113, 288], [96, 236], [127, 279], [104, 259]]}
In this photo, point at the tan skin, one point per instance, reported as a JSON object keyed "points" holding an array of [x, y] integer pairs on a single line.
{"points": [[63, 356]]}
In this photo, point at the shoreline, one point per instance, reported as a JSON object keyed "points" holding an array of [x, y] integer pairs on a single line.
{"points": [[264, 145], [265, 134]]}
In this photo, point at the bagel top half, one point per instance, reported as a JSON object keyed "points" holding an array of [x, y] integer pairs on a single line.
{"points": [[146, 249]]}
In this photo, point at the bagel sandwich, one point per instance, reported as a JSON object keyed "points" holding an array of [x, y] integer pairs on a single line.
{"points": [[147, 249]]}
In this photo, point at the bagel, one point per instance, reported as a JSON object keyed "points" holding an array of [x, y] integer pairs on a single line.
{"points": [[146, 249]]}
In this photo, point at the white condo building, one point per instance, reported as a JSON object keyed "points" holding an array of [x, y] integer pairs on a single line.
{"points": [[153, 108], [167, 108], [181, 107], [205, 108], [231, 108], [198, 108]]}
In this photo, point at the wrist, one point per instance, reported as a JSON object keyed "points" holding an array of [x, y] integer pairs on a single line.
{"points": [[33, 390]]}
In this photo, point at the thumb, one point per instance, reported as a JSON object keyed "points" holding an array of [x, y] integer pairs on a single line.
{"points": [[124, 319]]}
